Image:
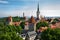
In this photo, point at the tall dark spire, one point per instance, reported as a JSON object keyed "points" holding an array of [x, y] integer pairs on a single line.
{"points": [[38, 12], [23, 14], [38, 7]]}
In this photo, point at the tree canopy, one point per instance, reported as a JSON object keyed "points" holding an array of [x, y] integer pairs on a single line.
{"points": [[41, 24], [51, 34], [22, 25], [8, 32]]}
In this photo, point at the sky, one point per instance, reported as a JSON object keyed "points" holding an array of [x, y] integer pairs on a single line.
{"points": [[49, 8]]}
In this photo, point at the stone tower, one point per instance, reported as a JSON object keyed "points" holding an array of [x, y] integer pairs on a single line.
{"points": [[9, 20], [38, 12], [32, 24]]}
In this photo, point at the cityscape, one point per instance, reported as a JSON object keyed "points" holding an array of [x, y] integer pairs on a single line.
{"points": [[39, 21]]}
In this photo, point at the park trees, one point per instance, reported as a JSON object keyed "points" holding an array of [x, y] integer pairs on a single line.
{"points": [[51, 34], [8, 32], [41, 24]]}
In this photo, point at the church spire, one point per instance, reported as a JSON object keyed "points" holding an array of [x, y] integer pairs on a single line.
{"points": [[23, 14], [38, 7], [38, 12]]}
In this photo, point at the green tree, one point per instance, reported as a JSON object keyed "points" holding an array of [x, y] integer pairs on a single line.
{"points": [[41, 24], [8, 32], [16, 18], [55, 20], [13, 28], [10, 36], [19, 29], [51, 34], [22, 25]]}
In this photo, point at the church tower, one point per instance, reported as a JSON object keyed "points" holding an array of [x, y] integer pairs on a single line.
{"points": [[38, 12], [23, 14], [9, 20]]}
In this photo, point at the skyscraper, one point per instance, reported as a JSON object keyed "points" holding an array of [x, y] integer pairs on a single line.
{"points": [[38, 12]]}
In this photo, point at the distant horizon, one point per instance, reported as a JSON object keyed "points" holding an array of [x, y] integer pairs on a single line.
{"points": [[30, 16]]}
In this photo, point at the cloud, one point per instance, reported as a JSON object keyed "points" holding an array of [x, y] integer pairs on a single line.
{"points": [[29, 13], [29, 10], [51, 10], [1, 1], [26, 0], [51, 7], [51, 13]]}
